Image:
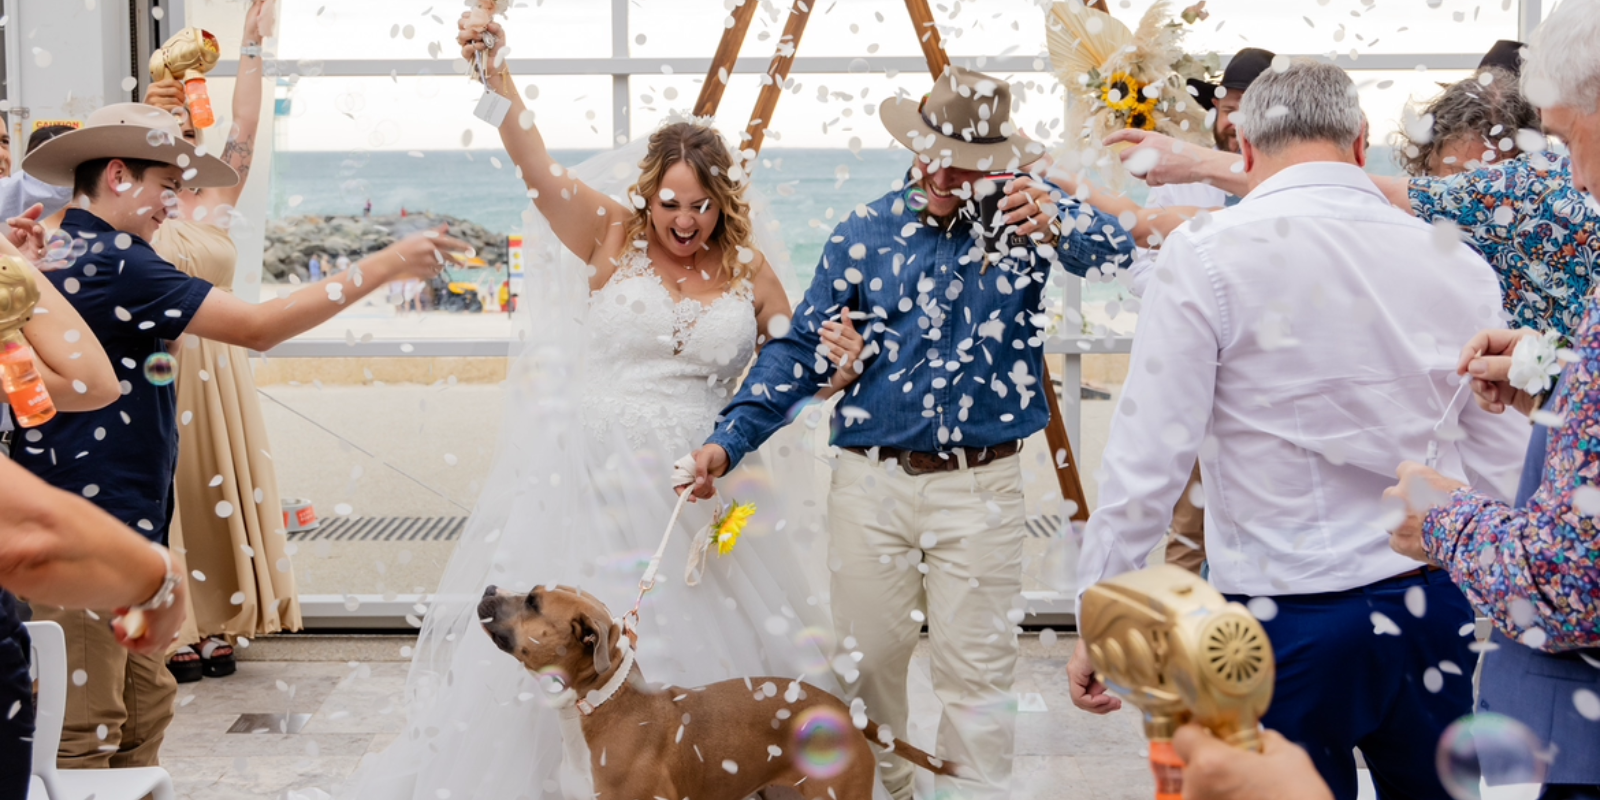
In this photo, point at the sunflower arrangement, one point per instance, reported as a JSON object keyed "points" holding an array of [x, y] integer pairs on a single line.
{"points": [[726, 529], [1121, 78]]}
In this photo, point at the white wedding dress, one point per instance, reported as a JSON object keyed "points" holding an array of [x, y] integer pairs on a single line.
{"points": [[610, 389]]}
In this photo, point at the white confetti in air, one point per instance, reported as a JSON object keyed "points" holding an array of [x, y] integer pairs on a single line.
{"points": [[224, 509], [1587, 703], [343, 509], [79, 677], [1433, 680], [1586, 499], [1263, 608], [1382, 625], [731, 766], [1417, 601], [237, 599], [1142, 160], [450, 458], [1048, 638]]}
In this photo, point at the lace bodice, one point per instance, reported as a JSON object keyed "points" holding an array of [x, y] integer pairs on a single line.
{"points": [[662, 368]]}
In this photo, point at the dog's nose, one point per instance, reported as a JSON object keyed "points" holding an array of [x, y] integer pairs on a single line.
{"points": [[489, 592]]}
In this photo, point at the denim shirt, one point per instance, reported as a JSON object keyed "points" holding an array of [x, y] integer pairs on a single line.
{"points": [[953, 352]]}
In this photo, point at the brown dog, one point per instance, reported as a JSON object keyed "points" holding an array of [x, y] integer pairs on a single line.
{"points": [[726, 741]]}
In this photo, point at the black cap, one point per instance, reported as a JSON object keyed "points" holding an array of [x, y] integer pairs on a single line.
{"points": [[1506, 55], [1243, 69]]}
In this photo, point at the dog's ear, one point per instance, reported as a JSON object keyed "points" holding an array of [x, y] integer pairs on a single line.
{"points": [[597, 634]]}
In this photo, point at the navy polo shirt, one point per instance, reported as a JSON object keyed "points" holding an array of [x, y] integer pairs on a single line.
{"points": [[122, 457]]}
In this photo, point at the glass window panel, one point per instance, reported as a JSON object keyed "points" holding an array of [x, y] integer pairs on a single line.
{"points": [[318, 29]]}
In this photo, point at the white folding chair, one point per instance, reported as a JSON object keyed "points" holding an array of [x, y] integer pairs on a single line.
{"points": [[50, 669]]}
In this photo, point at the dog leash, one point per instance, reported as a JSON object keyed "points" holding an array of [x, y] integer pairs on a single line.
{"points": [[682, 475]]}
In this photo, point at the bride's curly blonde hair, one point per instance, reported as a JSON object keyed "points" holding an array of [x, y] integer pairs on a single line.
{"points": [[703, 150]]}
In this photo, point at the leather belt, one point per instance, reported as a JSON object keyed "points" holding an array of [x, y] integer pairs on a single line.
{"points": [[1416, 573], [912, 462]]}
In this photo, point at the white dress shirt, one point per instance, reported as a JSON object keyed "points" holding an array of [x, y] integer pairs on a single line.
{"points": [[1302, 343], [20, 191], [1198, 195]]}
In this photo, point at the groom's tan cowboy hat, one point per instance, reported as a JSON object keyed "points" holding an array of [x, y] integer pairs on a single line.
{"points": [[965, 122], [127, 130]]}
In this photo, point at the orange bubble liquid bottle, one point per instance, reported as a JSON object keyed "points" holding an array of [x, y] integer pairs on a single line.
{"points": [[1168, 770], [19, 378], [200, 112], [30, 401]]}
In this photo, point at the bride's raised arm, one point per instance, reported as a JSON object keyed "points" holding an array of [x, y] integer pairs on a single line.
{"points": [[589, 223]]}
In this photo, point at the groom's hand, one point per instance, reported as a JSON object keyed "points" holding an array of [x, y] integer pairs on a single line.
{"points": [[710, 463]]}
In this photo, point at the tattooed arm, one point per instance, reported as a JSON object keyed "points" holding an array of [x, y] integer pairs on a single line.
{"points": [[247, 89]]}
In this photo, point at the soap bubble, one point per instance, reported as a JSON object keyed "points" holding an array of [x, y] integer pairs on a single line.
{"points": [[1490, 748], [161, 369], [815, 644], [821, 736], [916, 200], [158, 138]]}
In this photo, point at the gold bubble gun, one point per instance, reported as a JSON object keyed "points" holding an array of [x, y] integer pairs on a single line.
{"points": [[188, 56], [19, 378], [1165, 641]]}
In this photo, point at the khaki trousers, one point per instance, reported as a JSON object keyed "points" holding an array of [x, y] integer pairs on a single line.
{"points": [[133, 696], [947, 546], [1186, 540]]}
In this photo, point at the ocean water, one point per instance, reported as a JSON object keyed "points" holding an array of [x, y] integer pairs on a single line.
{"points": [[810, 190]]}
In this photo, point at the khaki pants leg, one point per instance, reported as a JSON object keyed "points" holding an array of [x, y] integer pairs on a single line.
{"points": [[875, 589], [974, 577], [132, 696], [1186, 542]]}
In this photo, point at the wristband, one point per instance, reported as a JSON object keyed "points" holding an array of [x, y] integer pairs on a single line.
{"points": [[250, 51], [163, 597]]}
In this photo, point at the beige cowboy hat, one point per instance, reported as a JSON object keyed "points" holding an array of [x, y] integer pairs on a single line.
{"points": [[964, 122], [127, 130]]}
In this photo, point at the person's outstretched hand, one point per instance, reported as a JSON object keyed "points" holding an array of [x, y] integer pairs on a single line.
{"points": [[1487, 358], [1175, 161], [1213, 770], [710, 463], [26, 234], [1088, 693], [471, 39], [422, 254], [1420, 489]]}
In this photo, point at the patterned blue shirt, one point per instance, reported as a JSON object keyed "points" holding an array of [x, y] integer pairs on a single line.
{"points": [[1528, 221], [954, 351]]}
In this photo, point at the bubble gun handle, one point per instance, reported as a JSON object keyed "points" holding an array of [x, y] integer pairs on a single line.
{"points": [[20, 380]]}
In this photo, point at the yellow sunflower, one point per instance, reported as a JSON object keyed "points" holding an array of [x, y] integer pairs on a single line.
{"points": [[1122, 92], [725, 531]]}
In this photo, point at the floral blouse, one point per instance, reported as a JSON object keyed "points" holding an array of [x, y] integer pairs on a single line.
{"points": [[1536, 570], [1526, 219]]}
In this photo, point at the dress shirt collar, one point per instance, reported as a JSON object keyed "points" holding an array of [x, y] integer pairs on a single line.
{"points": [[1317, 173]]}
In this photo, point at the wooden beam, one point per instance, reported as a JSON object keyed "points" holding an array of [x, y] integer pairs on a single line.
{"points": [[1055, 431], [782, 61], [928, 36], [722, 63]]}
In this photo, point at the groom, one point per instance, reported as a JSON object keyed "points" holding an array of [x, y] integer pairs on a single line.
{"points": [[925, 513]]}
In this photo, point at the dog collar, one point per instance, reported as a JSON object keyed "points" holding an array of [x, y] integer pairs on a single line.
{"points": [[595, 699]]}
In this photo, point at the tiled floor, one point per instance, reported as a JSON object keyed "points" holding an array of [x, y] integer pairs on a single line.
{"points": [[354, 709]]}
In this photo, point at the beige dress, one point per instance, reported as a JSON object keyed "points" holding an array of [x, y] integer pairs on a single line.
{"points": [[231, 531]]}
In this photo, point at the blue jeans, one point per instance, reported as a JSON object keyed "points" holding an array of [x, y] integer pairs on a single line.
{"points": [[1341, 686]]}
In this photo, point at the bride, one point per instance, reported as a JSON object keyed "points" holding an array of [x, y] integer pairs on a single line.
{"points": [[646, 303]]}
